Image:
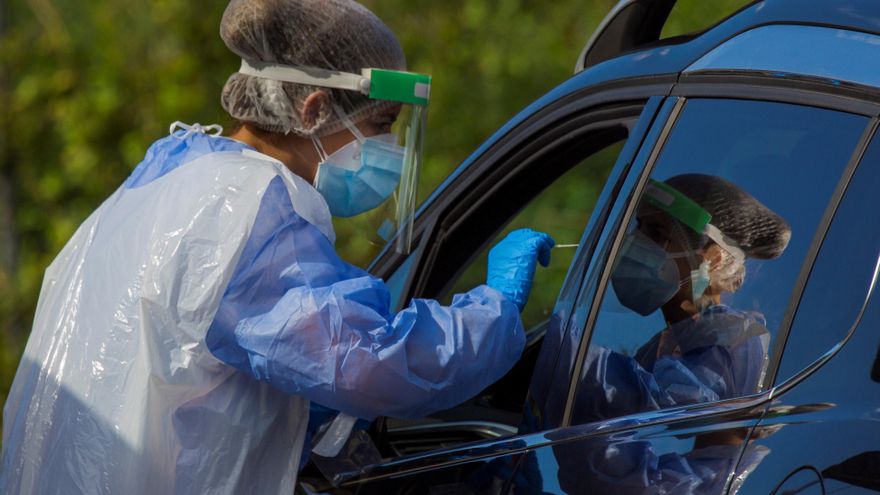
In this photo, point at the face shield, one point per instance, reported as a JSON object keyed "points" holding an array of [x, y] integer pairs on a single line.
{"points": [[375, 172], [669, 200]]}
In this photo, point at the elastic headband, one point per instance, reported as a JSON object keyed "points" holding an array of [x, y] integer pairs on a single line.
{"points": [[377, 84]]}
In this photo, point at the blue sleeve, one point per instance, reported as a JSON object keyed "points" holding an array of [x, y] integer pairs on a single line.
{"points": [[614, 384], [298, 317], [713, 372]]}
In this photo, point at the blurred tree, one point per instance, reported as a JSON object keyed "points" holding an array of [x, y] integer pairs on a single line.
{"points": [[88, 85], [85, 87], [9, 344]]}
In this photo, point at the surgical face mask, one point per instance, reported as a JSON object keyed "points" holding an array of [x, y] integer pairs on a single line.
{"points": [[646, 276], [361, 175]]}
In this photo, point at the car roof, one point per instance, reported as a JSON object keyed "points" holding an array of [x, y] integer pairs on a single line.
{"points": [[680, 52], [675, 56]]}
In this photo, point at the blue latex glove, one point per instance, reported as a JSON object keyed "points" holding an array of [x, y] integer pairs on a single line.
{"points": [[512, 263]]}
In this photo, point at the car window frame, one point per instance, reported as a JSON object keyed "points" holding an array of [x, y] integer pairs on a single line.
{"points": [[427, 224], [569, 132], [440, 227], [507, 176], [738, 85], [657, 108]]}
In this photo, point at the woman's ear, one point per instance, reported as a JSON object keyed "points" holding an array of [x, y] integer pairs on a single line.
{"points": [[714, 254], [316, 104]]}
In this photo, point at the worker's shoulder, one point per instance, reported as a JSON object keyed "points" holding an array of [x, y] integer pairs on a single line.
{"points": [[267, 179], [263, 169], [234, 164], [238, 180], [243, 173]]}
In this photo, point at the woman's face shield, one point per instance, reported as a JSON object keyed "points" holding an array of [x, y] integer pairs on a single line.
{"points": [[412, 91], [392, 220], [662, 253]]}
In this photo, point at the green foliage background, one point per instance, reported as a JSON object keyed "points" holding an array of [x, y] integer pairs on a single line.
{"points": [[85, 87]]}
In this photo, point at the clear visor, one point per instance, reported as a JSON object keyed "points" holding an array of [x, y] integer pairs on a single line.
{"points": [[394, 151], [414, 133], [370, 190]]}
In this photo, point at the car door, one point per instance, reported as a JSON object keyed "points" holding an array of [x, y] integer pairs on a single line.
{"points": [[567, 148], [596, 437]]}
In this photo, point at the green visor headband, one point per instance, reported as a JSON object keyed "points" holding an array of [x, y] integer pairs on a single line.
{"points": [[378, 84], [688, 212]]}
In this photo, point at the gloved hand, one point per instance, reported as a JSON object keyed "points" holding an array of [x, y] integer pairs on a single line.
{"points": [[512, 263]]}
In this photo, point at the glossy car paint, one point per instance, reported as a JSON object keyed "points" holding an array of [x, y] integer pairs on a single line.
{"points": [[809, 50]]}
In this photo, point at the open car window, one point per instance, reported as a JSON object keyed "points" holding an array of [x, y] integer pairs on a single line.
{"points": [[561, 210], [709, 259]]}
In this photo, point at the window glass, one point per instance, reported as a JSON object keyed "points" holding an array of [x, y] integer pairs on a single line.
{"points": [[842, 274], [562, 210], [397, 280], [704, 275]]}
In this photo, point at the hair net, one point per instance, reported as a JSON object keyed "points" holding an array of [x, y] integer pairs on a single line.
{"points": [[337, 35], [756, 229]]}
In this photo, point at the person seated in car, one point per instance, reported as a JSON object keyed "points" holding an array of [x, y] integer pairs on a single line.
{"points": [[692, 236]]}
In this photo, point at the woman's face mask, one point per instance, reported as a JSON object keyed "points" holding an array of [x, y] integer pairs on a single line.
{"points": [[361, 175], [647, 277]]}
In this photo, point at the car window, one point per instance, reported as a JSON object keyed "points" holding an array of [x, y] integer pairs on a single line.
{"points": [[841, 277], [397, 280], [707, 264], [562, 210]]}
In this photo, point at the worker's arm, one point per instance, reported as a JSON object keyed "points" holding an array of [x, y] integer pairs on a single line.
{"points": [[298, 317]]}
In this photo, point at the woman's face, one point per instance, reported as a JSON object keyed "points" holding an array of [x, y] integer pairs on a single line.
{"points": [[374, 125], [672, 240]]}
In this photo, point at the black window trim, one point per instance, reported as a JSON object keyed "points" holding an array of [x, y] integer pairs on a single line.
{"points": [[573, 283], [750, 91], [872, 135], [764, 86]]}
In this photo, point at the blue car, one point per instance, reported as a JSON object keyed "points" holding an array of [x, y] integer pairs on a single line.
{"points": [[781, 100]]}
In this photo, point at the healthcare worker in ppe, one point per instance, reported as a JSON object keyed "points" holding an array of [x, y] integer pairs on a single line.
{"points": [[687, 248], [183, 331]]}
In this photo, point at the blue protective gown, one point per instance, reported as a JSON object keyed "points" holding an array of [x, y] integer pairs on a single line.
{"points": [[185, 327], [720, 354]]}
